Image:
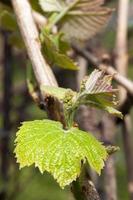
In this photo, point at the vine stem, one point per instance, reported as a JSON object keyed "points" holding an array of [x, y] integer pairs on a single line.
{"points": [[42, 70], [30, 35], [123, 81]]}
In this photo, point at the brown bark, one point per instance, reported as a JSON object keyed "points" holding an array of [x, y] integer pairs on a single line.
{"points": [[121, 62], [121, 59], [43, 72], [108, 133], [128, 148]]}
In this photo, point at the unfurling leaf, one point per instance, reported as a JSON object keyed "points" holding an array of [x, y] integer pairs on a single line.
{"points": [[112, 149], [80, 19], [98, 92], [56, 92], [60, 152], [85, 19], [54, 56]]}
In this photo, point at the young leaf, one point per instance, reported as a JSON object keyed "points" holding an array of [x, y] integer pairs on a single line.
{"points": [[99, 93], [60, 152], [85, 19], [59, 5], [78, 19], [56, 92], [52, 5], [53, 56], [62, 45]]}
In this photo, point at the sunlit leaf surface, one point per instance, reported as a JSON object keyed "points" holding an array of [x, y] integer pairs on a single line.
{"points": [[58, 151]]}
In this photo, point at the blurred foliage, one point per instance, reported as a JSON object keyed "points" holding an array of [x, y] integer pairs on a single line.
{"points": [[35, 186]]}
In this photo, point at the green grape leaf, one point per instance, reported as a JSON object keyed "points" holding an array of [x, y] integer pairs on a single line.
{"points": [[53, 55], [60, 152], [98, 92]]}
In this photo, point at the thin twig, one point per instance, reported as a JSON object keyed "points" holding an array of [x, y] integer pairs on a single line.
{"points": [[39, 19], [123, 81], [121, 56], [30, 35], [42, 71]]}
